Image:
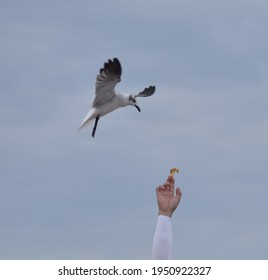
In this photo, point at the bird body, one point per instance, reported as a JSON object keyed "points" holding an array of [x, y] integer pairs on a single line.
{"points": [[106, 98], [120, 100]]}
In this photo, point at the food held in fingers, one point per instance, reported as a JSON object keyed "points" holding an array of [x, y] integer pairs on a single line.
{"points": [[173, 170]]}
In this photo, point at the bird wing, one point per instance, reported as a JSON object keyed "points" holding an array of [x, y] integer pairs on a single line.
{"points": [[146, 92], [108, 77]]}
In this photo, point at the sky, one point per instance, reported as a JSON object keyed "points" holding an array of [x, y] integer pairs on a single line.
{"points": [[65, 195]]}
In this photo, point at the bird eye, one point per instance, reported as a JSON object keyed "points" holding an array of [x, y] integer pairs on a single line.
{"points": [[131, 98]]}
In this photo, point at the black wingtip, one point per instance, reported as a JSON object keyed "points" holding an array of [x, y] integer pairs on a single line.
{"points": [[112, 66], [151, 89], [147, 92]]}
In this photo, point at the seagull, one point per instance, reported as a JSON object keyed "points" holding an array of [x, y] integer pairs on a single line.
{"points": [[106, 98]]}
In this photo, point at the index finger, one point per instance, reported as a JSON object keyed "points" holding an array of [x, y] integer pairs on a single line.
{"points": [[171, 180]]}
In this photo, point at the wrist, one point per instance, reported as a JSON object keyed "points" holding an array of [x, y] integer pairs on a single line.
{"points": [[165, 213]]}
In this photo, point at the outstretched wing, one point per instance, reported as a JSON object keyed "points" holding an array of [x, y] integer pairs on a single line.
{"points": [[108, 77], [146, 92]]}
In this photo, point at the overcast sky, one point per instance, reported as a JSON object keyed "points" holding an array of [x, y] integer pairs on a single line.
{"points": [[65, 195]]}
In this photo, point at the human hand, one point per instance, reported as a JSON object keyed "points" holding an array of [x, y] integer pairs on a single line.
{"points": [[166, 199]]}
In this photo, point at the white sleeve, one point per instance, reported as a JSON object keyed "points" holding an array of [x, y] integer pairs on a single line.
{"points": [[162, 242]]}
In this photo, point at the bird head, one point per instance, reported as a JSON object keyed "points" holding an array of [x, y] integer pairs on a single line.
{"points": [[133, 102]]}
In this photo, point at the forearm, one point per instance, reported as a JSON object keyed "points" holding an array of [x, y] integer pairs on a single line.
{"points": [[162, 242]]}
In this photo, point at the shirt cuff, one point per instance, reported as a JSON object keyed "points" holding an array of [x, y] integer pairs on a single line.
{"points": [[164, 218]]}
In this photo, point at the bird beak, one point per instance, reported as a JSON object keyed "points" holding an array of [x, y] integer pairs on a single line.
{"points": [[138, 108]]}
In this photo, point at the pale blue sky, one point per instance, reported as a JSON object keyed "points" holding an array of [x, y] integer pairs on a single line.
{"points": [[64, 195]]}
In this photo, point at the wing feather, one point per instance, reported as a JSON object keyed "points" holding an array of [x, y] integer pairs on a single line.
{"points": [[106, 81], [146, 92]]}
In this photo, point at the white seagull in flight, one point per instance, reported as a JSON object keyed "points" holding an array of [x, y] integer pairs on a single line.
{"points": [[106, 98]]}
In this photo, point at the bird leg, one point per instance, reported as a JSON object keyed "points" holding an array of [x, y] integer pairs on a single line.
{"points": [[95, 125]]}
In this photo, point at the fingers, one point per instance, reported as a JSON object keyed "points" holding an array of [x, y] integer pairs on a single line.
{"points": [[178, 192], [168, 185], [160, 188], [163, 188], [178, 195], [170, 179]]}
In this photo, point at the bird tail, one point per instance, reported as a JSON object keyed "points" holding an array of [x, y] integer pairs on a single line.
{"points": [[87, 120]]}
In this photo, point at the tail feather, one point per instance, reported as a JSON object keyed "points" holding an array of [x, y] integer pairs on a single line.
{"points": [[87, 120]]}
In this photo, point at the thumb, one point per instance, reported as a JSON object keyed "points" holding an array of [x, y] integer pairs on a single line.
{"points": [[178, 193]]}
